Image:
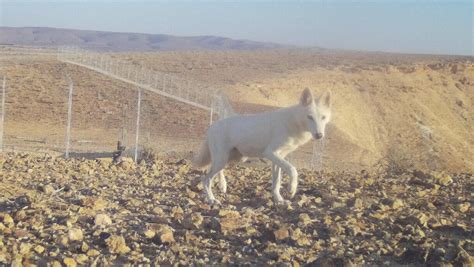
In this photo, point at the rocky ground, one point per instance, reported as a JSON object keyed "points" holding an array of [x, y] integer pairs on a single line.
{"points": [[61, 212]]}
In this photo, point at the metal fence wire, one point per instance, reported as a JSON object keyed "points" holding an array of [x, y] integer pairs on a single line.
{"points": [[132, 104]]}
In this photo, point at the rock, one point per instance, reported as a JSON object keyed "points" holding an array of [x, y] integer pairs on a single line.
{"points": [[75, 234], [397, 203], [69, 262], [193, 221], [20, 215], [157, 211], [23, 201], [39, 249], [48, 189], [81, 259], [93, 253], [102, 220], [94, 203], [164, 233], [281, 233], [84, 247], [442, 178], [304, 219], [177, 213], [358, 203], [227, 224], [299, 237], [229, 213], [126, 164], [116, 245], [7, 219], [463, 207], [149, 234]]}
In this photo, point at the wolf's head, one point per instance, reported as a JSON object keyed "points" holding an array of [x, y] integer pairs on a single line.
{"points": [[317, 112]]}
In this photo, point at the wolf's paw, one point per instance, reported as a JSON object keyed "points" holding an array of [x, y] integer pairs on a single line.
{"points": [[292, 190], [283, 203], [213, 202], [278, 200]]}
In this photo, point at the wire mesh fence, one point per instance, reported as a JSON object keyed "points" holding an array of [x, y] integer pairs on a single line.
{"points": [[86, 102]]}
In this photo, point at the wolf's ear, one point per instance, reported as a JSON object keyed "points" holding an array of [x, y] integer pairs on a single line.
{"points": [[325, 99], [306, 98]]}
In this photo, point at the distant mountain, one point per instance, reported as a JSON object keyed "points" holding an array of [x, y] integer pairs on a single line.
{"points": [[118, 41]]}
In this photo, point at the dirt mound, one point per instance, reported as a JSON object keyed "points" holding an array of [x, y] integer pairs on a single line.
{"points": [[96, 212]]}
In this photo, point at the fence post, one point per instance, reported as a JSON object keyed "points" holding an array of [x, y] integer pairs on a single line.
{"points": [[69, 115], [138, 123], [3, 114]]}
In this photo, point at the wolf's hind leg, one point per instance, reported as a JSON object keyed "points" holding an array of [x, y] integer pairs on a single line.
{"points": [[222, 182]]}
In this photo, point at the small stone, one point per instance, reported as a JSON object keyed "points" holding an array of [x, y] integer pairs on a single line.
{"points": [[70, 262], [39, 249], [358, 204], [117, 245], [229, 213], [102, 220], [177, 213], [94, 203], [81, 258], [397, 203], [463, 207], [93, 253], [281, 233], [20, 215], [127, 164], [157, 211], [193, 221], [149, 234], [7, 219], [304, 219], [228, 224], [84, 247], [165, 233], [48, 189], [75, 234], [442, 178]]}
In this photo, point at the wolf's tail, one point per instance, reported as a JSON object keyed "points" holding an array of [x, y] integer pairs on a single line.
{"points": [[203, 158]]}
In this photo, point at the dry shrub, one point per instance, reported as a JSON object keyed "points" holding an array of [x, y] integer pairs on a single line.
{"points": [[397, 161]]}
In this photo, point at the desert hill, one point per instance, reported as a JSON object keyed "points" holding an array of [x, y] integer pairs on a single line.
{"points": [[117, 41], [410, 109]]}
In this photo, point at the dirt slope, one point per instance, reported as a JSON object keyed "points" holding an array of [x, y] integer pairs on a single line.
{"points": [[407, 108]]}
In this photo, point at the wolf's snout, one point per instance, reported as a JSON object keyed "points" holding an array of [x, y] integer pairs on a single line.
{"points": [[318, 135]]}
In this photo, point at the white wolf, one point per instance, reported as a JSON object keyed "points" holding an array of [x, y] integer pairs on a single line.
{"points": [[271, 135]]}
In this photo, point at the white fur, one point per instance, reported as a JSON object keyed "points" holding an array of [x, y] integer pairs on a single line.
{"points": [[272, 135]]}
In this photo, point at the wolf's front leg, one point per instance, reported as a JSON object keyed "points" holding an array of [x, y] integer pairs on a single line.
{"points": [[293, 184], [222, 182], [276, 184], [287, 167]]}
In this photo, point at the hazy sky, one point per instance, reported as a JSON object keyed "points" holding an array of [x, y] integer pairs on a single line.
{"points": [[423, 26]]}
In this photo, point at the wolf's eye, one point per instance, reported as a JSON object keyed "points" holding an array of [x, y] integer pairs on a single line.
{"points": [[310, 117], [323, 117]]}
